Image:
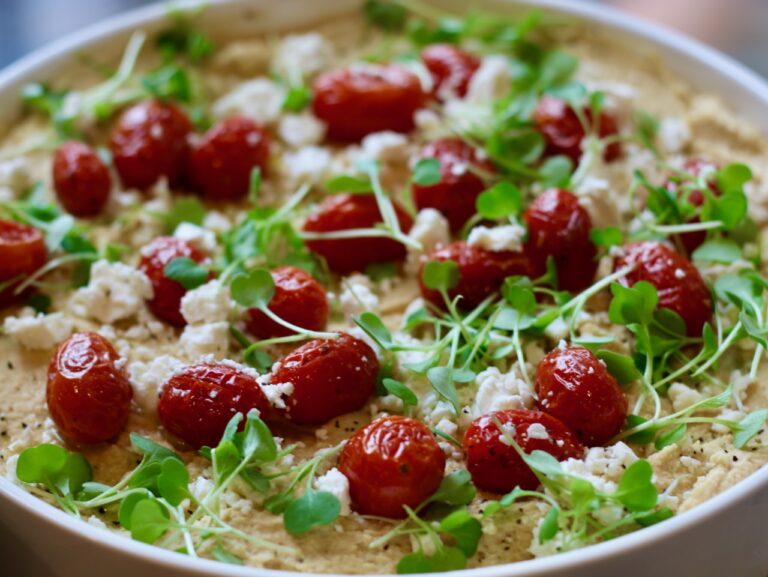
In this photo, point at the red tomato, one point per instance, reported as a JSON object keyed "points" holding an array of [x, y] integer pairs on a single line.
{"points": [[391, 463], [558, 226], [22, 252], [456, 193], [149, 142], [451, 68], [197, 403], [353, 211], [563, 132], [220, 165], [496, 466], [679, 283], [362, 99], [696, 167], [298, 299], [329, 377], [574, 386], [481, 272], [166, 302], [88, 394], [81, 179]]}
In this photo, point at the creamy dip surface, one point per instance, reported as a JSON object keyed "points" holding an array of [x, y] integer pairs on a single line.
{"points": [[664, 128]]}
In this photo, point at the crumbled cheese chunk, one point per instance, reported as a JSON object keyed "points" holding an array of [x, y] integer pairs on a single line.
{"points": [[216, 222], [302, 55], [497, 391], [200, 487], [386, 146], [492, 80], [674, 134], [602, 466], [537, 431], [682, 396], [337, 484], [199, 237], [431, 230], [308, 164], [38, 331], [358, 296], [115, 292], [498, 238], [206, 339], [260, 99], [15, 178], [277, 392], [298, 130], [596, 196], [208, 303], [148, 379]]}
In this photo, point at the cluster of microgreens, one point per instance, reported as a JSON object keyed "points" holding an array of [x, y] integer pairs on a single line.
{"points": [[154, 501]]}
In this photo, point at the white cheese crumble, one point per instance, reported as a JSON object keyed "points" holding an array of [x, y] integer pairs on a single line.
{"points": [[336, 483], [491, 81], [38, 331], [276, 393], [537, 431], [431, 230], [674, 134], [308, 164], [148, 379], [682, 396], [385, 146], [302, 55], [115, 292], [15, 178], [208, 303], [207, 339], [508, 237], [260, 99], [602, 466], [216, 222], [298, 130], [498, 391], [357, 296], [202, 239]]}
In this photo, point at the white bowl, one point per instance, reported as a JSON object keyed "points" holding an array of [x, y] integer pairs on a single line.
{"points": [[725, 536]]}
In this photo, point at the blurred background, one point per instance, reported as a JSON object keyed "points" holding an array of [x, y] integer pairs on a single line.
{"points": [[738, 27]]}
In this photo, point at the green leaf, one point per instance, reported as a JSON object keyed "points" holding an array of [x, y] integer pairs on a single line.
{"points": [[401, 391], [730, 209], [149, 521], [375, 328], [732, 178], [440, 275], [544, 463], [254, 185], [671, 436], [253, 290], [76, 472], [465, 529], [297, 98], [128, 504], [719, 250], [748, 427], [519, 297], [606, 237], [169, 82], [549, 526], [173, 481], [556, 68], [555, 172], [384, 14], [502, 200], [346, 183], [185, 209], [116, 252], [41, 464], [641, 437], [312, 509], [39, 302], [455, 489], [655, 517], [444, 559], [258, 443], [633, 304], [226, 458], [636, 491], [150, 449], [186, 272], [57, 230], [441, 379], [621, 367], [427, 172]]}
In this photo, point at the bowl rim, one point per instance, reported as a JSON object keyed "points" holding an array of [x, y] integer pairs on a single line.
{"points": [[605, 16]]}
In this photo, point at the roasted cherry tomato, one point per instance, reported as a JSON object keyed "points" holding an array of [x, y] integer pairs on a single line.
{"points": [[220, 165], [298, 299], [354, 211], [451, 68], [330, 378], [81, 179], [149, 142], [362, 99], [481, 272], [679, 284], [22, 252], [167, 293], [88, 393], [496, 466], [695, 167], [574, 386], [456, 193], [391, 463], [563, 131], [558, 227], [198, 402]]}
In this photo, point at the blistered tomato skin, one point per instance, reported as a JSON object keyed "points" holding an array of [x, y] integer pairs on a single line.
{"points": [[456, 194], [80, 179], [481, 272], [678, 282], [574, 386], [451, 68], [559, 227], [391, 463], [298, 299], [330, 378], [696, 167], [563, 132], [149, 142], [363, 99], [496, 466], [167, 293], [354, 211], [88, 394], [220, 165], [22, 252], [198, 402]]}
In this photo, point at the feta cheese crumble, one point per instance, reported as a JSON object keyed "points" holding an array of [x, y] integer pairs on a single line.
{"points": [[260, 99], [358, 296], [148, 379], [336, 483], [208, 303], [298, 130], [38, 331], [508, 237], [491, 81], [498, 391], [206, 339], [115, 292], [302, 55], [202, 239]]}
